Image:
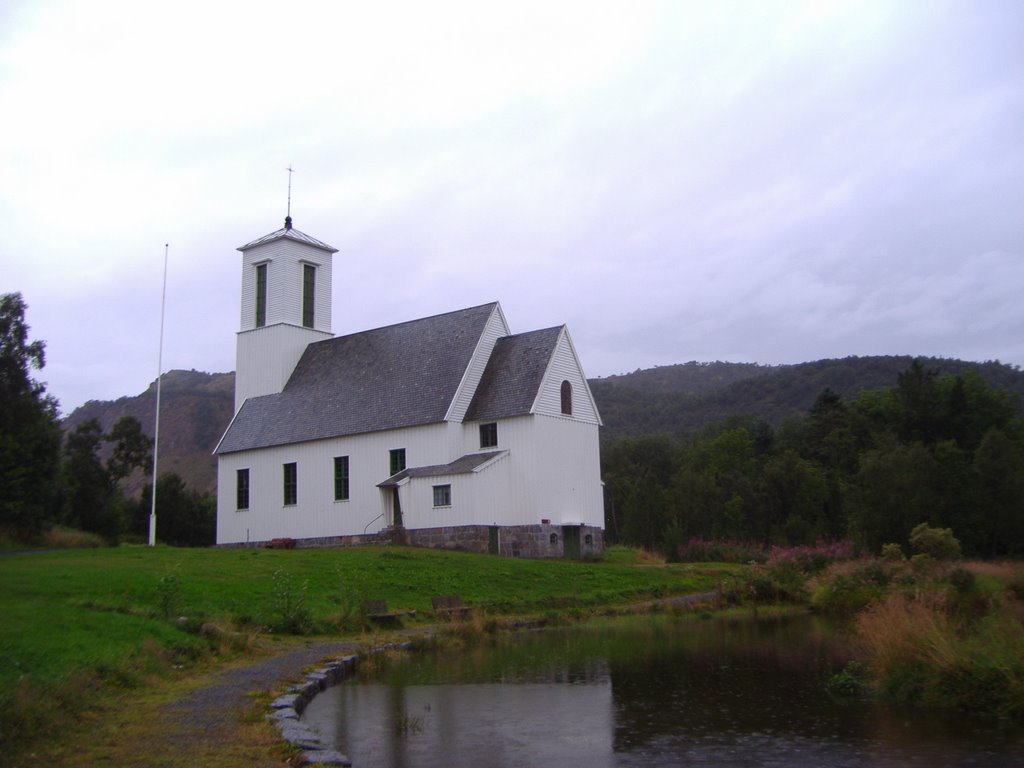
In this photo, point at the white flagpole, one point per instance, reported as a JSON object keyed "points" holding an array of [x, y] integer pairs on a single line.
{"points": [[156, 428]]}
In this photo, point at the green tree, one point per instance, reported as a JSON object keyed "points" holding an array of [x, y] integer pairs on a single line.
{"points": [[85, 482], [131, 449], [29, 431], [93, 499], [937, 543], [894, 491], [923, 412], [793, 493], [713, 490], [637, 473], [185, 517], [974, 407], [999, 466]]}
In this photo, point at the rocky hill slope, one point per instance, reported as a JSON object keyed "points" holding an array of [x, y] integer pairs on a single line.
{"points": [[195, 409]]}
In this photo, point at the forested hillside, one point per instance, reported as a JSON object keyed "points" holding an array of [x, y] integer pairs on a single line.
{"points": [[789, 458], [676, 399]]}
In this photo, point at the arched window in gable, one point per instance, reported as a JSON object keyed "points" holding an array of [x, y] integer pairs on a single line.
{"points": [[567, 398]]}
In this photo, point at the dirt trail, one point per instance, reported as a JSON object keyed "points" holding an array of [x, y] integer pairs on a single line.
{"points": [[217, 706]]}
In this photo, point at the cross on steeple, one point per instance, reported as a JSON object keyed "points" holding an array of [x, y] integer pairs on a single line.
{"points": [[288, 217]]}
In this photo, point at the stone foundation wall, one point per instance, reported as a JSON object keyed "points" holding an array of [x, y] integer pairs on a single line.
{"points": [[529, 541], [469, 538]]}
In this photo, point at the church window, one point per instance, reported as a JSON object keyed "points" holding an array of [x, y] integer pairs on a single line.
{"points": [[442, 495], [397, 460], [291, 484], [488, 435], [261, 295], [567, 398], [341, 478], [242, 489], [308, 294]]}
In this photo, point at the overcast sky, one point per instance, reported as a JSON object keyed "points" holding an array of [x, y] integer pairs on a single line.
{"points": [[770, 182]]}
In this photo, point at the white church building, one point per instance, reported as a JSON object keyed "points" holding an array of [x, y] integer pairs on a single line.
{"points": [[447, 431]]}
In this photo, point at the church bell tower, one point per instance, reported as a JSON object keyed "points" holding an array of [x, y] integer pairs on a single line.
{"points": [[286, 305]]}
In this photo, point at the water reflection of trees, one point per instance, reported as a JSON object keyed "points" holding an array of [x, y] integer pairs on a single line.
{"points": [[721, 679]]}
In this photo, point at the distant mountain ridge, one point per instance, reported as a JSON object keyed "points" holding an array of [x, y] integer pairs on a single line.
{"points": [[196, 407], [688, 396]]}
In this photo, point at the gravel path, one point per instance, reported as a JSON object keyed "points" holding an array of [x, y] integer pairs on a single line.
{"points": [[216, 708], [212, 714]]}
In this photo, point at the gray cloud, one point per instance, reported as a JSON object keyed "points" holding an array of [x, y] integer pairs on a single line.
{"points": [[676, 181]]}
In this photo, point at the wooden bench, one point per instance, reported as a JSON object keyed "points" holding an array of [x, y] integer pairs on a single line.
{"points": [[450, 607], [377, 610]]}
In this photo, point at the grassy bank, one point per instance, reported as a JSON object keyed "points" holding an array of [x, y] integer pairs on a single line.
{"points": [[77, 623]]}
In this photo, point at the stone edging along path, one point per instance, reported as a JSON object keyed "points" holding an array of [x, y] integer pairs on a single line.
{"points": [[288, 708]]}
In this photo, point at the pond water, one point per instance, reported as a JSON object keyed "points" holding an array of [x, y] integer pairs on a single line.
{"points": [[656, 692]]}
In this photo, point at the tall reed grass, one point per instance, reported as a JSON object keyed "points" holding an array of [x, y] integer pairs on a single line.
{"points": [[921, 651]]}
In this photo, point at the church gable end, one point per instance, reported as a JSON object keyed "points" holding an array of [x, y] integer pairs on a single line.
{"points": [[565, 385]]}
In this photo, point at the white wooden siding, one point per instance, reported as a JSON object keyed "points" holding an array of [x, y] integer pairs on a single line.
{"points": [[476, 497], [496, 328], [565, 366], [284, 259], [568, 471], [317, 513], [266, 357], [551, 471]]}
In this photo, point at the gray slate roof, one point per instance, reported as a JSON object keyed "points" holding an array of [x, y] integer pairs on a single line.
{"points": [[461, 466], [398, 376], [513, 375], [288, 233]]}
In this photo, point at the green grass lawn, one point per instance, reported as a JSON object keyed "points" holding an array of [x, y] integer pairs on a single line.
{"points": [[95, 610]]}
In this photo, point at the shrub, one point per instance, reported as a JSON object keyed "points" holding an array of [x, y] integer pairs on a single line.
{"points": [[937, 543], [812, 559], [845, 594], [809, 558], [789, 581], [60, 537], [961, 580], [850, 587], [289, 610], [850, 682], [168, 591], [893, 553]]}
